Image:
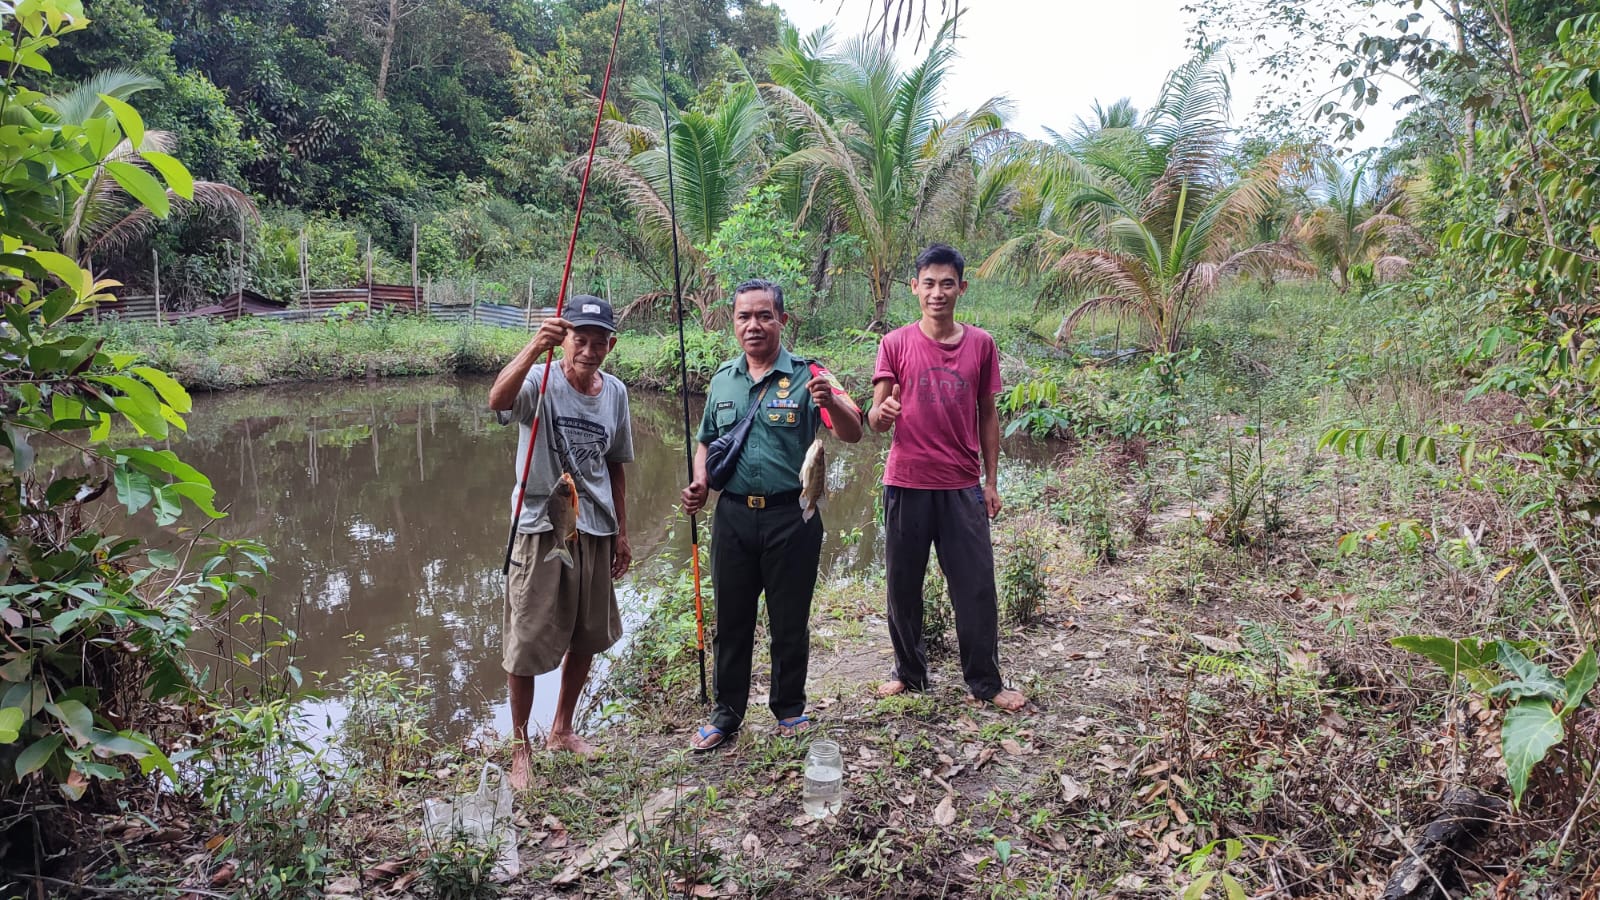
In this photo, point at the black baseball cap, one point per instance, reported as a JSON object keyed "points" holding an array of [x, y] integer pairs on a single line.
{"points": [[587, 309]]}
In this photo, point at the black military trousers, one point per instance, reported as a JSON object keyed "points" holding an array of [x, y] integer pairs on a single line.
{"points": [[753, 551], [956, 523]]}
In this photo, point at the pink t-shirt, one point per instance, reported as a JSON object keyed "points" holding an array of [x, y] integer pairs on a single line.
{"points": [[935, 444]]}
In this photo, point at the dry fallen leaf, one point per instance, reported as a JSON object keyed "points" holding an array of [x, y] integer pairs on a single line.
{"points": [[751, 844], [1071, 790], [216, 842], [1217, 644], [1011, 747], [1177, 811], [944, 815], [347, 886], [985, 756], [908, 799], [385, 870], [224, 873]]}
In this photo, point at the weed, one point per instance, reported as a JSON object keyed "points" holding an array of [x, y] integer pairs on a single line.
{"points": [[382, 728], [938, 617], [460, 869], [1022, 582], [1090, 495]]}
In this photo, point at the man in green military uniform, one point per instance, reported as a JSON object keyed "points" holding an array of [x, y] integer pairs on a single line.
{"points": [[759, 540]]}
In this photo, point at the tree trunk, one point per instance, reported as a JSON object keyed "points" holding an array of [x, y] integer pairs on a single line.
{"points": [[881, 285], [1470, 117], [1429, 869], [390, 27], [822, 272]]}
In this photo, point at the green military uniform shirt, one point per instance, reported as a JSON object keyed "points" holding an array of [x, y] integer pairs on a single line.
{"points": [[783, 430]]}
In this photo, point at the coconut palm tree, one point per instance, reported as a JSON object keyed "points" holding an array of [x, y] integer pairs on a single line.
{"points": [[105, 218], [716, 157], [1359, 222], [879, 154], [1151, 215]]}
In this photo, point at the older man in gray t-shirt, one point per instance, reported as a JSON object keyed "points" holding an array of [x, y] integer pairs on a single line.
{"points": [[556, 613]]}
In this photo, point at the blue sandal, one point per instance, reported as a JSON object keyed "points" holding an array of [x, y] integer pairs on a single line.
{"points": [[794, 726], [712, 733]]}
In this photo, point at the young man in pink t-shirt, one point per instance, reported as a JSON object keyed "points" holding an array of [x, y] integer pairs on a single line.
{"points": [[935, 384]]}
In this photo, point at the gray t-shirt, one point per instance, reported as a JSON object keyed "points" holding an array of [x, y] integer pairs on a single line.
{"points": [[596, 431]]}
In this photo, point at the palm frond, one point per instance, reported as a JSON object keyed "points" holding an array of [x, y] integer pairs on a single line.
{"points": [[136, 226], [81, 102]]}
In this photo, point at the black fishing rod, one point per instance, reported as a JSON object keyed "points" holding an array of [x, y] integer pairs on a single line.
{"points": [[683, 352]]}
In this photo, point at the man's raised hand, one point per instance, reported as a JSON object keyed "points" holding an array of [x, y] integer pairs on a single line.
{"points": [[889, 410], [551, 333]]}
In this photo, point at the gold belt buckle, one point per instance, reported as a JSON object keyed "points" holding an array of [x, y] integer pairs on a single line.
{"points": [[756, 502]]}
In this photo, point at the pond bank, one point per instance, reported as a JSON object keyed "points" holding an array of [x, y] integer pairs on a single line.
{"points": [[218, 356], [1183, 690]]}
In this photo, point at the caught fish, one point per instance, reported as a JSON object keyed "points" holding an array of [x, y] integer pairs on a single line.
{"points": [[562, 508], [813, 480]]}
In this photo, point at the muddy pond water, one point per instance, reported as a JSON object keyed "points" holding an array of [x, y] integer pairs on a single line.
{"points": [[385, 506]]}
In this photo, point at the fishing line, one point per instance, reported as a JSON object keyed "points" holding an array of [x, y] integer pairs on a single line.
{"points": [[561, 290], [683, 352]]}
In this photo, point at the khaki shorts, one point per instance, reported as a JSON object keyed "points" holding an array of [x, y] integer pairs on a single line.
{"points": [[552, 608]]}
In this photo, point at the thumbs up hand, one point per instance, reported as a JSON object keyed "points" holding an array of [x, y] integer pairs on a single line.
{"points": [[886, 412]]}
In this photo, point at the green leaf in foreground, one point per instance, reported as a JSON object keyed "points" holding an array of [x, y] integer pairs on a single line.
{"points": [[1468, 657], [36, 754], [142, 186], [178, 177], [1530, 729], [10, 724], [1580, 678]]}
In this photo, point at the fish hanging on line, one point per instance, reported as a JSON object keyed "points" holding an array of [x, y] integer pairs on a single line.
{"points": [[813, 480], [562, 508]]}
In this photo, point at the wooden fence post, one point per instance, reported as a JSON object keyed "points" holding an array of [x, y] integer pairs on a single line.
{"points": [[414, 301], [155, 258], [239, 301], [369, 276], [305, 268]]}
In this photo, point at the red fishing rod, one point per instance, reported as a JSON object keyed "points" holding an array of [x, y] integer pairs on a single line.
{"points": [[683, 354], [561, 291]]}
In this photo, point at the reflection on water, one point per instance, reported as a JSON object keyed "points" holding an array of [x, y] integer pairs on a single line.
{"points": [[385, 506]]}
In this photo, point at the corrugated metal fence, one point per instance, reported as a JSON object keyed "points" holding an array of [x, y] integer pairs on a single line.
{"points": [[355, 301]]}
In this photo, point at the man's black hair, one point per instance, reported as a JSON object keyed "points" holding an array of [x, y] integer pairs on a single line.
{"points": [[942, 255], [761, 284]]}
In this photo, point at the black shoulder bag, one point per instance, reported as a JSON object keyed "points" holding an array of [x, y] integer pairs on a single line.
{"points": [[722, 455]]}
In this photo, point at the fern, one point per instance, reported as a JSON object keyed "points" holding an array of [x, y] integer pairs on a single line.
{"points": [[1216, 664], [1263, 640]]}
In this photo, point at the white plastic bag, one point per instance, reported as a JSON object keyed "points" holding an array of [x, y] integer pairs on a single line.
{"points": [[484, 818]]}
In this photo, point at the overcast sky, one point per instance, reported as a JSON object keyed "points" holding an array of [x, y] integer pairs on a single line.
{"points": [[1054, 58]]}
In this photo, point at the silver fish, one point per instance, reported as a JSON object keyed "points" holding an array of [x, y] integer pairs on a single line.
{"points": [[813, 480], [562, 508]]}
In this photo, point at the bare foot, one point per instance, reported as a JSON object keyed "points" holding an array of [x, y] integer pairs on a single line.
{"points": [[521, 768], [891, 687], [570, 742], [1009, 700]]}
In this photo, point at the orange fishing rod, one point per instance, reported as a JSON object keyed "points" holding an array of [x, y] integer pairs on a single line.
{"points": [[683, 354], [561, 290]]}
